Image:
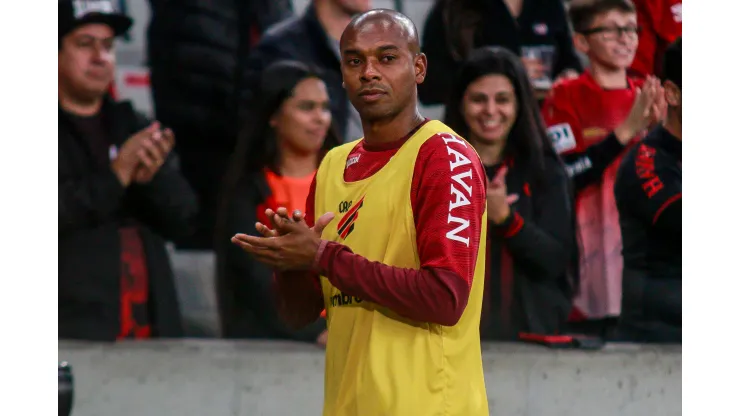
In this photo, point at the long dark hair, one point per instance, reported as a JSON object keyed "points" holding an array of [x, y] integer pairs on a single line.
{"points": [[528, 142], [257, 147]]}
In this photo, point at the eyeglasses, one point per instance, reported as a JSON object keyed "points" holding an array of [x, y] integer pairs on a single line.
{"points": [[613, 33]]}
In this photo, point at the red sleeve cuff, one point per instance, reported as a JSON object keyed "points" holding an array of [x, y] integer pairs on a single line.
{"points": [[325, 257]]}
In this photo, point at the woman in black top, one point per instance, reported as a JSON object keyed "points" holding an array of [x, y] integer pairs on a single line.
{"points": [[276, 157], [532, 250], [455, 27]]}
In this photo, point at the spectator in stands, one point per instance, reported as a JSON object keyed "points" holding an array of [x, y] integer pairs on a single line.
{"points": [[313, 39], [532, 249], [455, 27], [591, 120], [660, 24], [648, 194], [197, 52], [120, 193], [275, 161]]}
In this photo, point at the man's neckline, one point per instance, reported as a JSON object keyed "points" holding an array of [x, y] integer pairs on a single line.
{"points": [[381, 147]]}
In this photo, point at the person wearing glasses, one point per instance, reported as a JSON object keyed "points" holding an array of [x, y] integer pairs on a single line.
{"points": [[592, 120]]}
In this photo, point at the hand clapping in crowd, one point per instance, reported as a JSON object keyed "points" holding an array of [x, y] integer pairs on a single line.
{"points": [[143, 154]]}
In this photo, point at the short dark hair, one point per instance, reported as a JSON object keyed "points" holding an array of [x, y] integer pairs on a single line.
{"points": [[672, 63], [583, 12]]}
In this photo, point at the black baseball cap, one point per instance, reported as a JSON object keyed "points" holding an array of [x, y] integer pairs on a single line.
{"points": [[75, 13], [672, 63]]}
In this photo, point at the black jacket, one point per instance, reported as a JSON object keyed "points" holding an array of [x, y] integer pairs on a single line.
{"points": [[245, 290], [648, 194], [301, 38], [539, 238], [92, 206], [196, 51], [541, 22]]}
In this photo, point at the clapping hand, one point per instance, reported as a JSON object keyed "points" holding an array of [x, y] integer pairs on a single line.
{"points": [[289, 245], [276, 217], [153, 153], [647, 110], [499, 202]]}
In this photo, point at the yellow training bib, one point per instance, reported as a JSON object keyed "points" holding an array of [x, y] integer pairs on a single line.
{"points": [[377, 362]]}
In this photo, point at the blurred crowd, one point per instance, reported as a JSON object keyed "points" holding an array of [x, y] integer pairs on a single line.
{"points": [[573, 106]]}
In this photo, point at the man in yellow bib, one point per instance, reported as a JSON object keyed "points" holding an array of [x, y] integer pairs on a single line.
{"points": [[398, 258]]}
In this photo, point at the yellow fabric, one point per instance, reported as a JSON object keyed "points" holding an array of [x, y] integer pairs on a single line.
{"points": [[377, 362]]}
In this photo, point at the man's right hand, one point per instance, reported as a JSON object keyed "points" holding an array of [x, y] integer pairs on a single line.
{"points": [[128, 158], [648, 107]]}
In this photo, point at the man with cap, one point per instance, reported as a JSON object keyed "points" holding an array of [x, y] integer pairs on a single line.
{"points": [[648, 195], [120, 193]]}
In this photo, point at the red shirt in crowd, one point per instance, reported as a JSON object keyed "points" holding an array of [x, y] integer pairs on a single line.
{"points": [[660, 24], [135, 321], [580, 116], [288, 192]]}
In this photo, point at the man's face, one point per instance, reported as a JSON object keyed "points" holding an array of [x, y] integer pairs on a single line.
{"points": [[379, 70], [614, 42], [87, 61], [352, 7]]}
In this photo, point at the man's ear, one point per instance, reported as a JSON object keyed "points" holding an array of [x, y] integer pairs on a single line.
{"points": [[581, 43], [420, 66]]}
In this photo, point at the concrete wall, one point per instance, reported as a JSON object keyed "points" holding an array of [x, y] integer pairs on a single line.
{"points": [[196, 289], [219, 378]]}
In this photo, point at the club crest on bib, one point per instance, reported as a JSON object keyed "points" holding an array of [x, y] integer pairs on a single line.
{"points": [[350, 212]]}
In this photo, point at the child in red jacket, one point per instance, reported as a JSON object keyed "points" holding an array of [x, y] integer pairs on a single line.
{"points": [[592, 119]]}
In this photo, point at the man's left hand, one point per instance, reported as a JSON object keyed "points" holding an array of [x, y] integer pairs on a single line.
{"points": [[294, 249]]}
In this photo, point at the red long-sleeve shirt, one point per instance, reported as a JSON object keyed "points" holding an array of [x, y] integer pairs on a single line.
{"points": [[438, 291]]}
